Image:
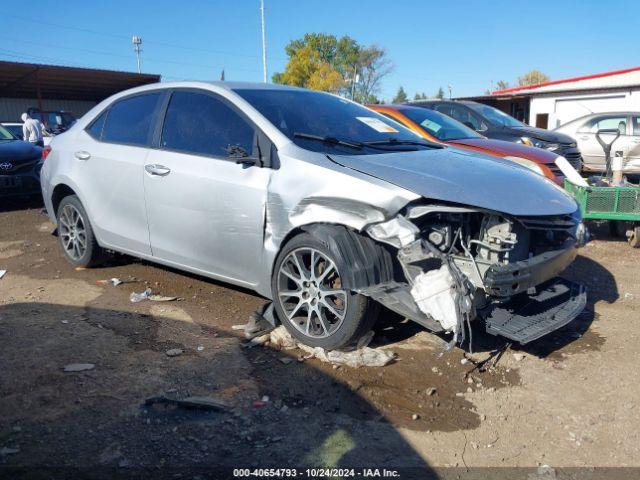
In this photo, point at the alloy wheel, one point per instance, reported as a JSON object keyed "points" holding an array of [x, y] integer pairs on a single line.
{"points": [[310, 292], [73, 233]]}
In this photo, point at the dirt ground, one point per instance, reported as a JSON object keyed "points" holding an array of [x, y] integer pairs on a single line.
{"points": [[567, 400]]}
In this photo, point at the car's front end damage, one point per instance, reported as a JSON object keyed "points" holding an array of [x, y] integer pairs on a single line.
{"points": [[462, 263], [443, 237]]}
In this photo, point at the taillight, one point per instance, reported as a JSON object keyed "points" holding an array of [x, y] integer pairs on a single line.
{"points": [[45, 152]]}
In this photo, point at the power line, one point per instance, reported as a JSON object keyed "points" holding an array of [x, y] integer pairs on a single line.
{"points": [[118, 55], [121, 36]]}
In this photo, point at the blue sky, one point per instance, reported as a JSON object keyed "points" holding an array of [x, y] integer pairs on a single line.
{"points": [[466, 44]]}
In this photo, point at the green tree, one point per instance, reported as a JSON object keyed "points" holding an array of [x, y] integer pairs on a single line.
{"points": [[324, 62], [440, 93], [400, 97], [501, 85], [533, 77]]}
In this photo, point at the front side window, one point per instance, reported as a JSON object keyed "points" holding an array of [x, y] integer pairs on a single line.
{"points": [[325, 123], [130, 120], [611, 122], [202, 124]]}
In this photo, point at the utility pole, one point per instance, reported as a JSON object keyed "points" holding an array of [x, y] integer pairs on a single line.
{"points": [[264, 44], [450, 88], [137, 41]]}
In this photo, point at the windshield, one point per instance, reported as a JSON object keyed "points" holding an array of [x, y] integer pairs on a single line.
{"points": [[438, 125], [5, 135], [494, 115], [302, 114]]}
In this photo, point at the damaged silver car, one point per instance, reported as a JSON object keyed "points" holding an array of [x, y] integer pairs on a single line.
{"points": [[325, 207]]}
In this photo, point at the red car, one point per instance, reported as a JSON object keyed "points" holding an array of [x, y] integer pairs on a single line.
{"points": [[440, 128]]}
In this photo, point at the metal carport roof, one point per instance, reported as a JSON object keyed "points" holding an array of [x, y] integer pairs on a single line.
{"points": [[29, 80]]}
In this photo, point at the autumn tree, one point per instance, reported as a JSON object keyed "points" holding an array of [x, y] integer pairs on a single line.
{"points": [[400, 97], [533, 77]]}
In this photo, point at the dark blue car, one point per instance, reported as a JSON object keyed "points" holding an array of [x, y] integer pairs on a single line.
{"points": [[20, 164]]}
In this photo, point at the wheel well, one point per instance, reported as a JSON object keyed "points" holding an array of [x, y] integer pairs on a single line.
{"points": [[369, 262], [59, 192]]}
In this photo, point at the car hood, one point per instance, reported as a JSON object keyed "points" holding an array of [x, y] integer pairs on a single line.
{"points": [[468, 178], [17, 150], [542, 134], [504, 148]]}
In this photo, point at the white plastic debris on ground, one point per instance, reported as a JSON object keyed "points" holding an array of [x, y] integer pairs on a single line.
{"points": [[138, 297], [361, 357], [2, 273], [147, 294], [435, 295]]}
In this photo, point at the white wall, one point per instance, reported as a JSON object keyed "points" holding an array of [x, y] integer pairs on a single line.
{"points": [[564, 108], [12, 108]]}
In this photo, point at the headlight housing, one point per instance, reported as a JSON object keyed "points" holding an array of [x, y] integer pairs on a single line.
{"points": [[534, 142]]}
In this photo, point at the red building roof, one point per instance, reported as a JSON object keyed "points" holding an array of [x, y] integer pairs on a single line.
{"points": [[564, 80]]}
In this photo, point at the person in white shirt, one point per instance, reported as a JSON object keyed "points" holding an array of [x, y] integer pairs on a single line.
{"points": [[32, 130]]}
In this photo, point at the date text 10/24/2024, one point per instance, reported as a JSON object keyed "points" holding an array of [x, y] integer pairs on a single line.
{"points": [[316, 473]]}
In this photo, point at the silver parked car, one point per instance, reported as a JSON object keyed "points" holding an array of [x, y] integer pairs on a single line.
{"points": [[627, 145], [318, 203]]}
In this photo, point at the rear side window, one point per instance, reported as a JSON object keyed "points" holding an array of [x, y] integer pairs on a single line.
{"points": [[201, 124], [130, 120], [95, 130]]}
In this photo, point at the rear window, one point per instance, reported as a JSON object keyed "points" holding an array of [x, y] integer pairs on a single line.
{"points": [[129, 120]]}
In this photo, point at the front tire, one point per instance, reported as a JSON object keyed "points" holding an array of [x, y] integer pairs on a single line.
{"points": [[78, 243], [310, 300]]}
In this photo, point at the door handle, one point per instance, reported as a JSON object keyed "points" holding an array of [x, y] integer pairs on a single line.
{"points": [[159, 170], [82, 155]]}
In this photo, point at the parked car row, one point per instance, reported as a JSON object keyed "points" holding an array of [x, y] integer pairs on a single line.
{"points": [[323, 205], [438, 127], [495, 124], [20, 164]]}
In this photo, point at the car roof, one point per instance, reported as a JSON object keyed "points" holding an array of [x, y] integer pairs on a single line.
{"points": [[444, 100], [223, 85]]}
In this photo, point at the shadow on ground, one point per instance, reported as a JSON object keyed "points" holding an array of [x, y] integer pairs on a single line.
{"points": [[91, 423], [10, 204]]}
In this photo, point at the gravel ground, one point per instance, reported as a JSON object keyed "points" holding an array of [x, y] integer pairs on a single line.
{"points": [[567, 400]]}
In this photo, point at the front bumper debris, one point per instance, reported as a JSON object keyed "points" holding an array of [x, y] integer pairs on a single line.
{"points": [[528, 317], [517, 277]]}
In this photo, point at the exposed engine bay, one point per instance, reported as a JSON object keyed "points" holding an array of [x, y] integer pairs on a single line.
{"points": [[460, 263]]}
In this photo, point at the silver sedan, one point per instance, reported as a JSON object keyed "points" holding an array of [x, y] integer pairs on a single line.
{"points": [[325, 207]]}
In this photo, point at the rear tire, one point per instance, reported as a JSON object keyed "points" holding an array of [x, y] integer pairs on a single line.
{"points": [[309, 298], [618, 228], [78, 243], [634, 239]]}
